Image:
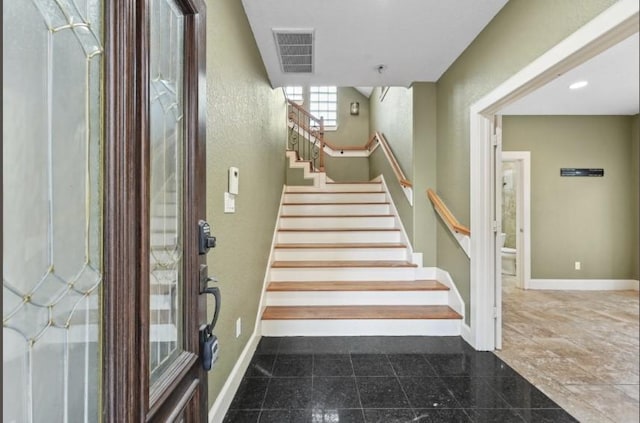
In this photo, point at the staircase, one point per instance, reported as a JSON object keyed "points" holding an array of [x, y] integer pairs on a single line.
{"points": [[342, 266]]}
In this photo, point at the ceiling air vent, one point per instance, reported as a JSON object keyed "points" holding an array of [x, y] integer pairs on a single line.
{"points": [[295, 49]]}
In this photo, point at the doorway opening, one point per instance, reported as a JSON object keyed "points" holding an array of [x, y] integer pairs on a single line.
{"points": [[516, 219]]}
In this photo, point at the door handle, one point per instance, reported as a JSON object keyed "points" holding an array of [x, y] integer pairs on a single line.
{"points": [[215, 291]]}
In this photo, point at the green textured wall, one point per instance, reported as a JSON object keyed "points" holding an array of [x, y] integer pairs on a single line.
{"points": [[295, 176], [635, 190], [424, 170], [579, 218], [347, 169], [394, 118], [245, 128], [352, 130], [522, 31]]}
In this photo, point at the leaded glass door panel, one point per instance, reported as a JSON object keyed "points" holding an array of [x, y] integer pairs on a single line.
{"points": [[103, 186], [52, 210]]}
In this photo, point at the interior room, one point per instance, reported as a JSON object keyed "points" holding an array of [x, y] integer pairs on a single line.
{"points": [[572, 327]]}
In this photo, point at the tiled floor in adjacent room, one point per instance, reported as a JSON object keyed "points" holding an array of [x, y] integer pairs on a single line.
{"points": [[580, 347], [386, 380]]}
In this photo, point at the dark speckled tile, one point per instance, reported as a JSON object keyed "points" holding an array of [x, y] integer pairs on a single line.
{"points": [[285, 416], [293, 365], [334, 392], [473, 393], [410, 365], [442, 416], [520, 394], [389, 415], [495, 416], [546, 416], [296, 345], [428, 392], [288, 393], [386, 380], [451, 364], [337, 416], [261, 366], [371, 365], [381, 392], [332, 365], [268, 345], [241, 416], [250, 394]]}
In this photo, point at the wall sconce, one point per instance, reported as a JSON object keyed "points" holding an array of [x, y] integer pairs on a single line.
{"points": [[355, 108]]}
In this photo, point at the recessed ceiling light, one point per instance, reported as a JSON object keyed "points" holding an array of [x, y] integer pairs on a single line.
{"points": [[578, 85]]}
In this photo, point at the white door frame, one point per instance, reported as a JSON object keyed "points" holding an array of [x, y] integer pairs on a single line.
{"points": [[607, 29], [523, 223]]}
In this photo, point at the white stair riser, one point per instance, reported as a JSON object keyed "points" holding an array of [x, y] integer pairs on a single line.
{"points": [[372, 197], [392, 327], [343, 274], [336, 209], [347, 222], [292, 254], [338, 187], [329, 298], [331, 237]]}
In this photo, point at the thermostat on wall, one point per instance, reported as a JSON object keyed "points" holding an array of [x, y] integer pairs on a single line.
{"points": [[234, 178]]}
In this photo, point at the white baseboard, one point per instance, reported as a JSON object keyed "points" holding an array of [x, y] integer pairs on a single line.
{"points": [[465, 332], [584, 284], [455, 299], [228, 391]]}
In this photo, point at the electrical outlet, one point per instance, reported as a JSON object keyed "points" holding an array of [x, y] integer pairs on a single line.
{"points": [[238, 327], [578, 265]]}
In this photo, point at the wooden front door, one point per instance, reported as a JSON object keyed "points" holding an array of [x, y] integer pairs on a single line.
{"points": [[103, 191]]}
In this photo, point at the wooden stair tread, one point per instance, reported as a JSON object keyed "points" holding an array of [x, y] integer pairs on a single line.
{"points": [[424, 285], [344, 245], [359, 312], [341, 263], [338, 230]]}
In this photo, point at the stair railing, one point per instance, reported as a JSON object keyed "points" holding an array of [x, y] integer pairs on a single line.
{"points": [[304, 124], [379, 138], [461, 233]]}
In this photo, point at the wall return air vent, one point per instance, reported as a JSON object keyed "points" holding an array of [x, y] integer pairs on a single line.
{"points": [[295, 49]]}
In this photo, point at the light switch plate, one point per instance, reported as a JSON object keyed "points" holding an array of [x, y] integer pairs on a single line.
{"points": [[229, 203]]}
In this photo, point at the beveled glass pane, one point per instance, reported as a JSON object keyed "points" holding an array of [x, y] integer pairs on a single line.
{"points": [[52, 209], [166, 183]]}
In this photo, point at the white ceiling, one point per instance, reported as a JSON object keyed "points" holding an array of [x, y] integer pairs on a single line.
{"points": [[613, 88], [417, 40]]}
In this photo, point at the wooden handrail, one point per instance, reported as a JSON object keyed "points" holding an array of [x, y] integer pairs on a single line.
{"points": [[312, 131], [319, 134], [379, 137], [446, 214]]}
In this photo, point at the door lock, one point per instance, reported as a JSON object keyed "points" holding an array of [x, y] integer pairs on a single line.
{"points": [[205, 240], [209, 347]]}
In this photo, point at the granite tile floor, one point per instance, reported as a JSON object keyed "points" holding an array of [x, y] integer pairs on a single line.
{"points": [[579, 347], [385, 380]]}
